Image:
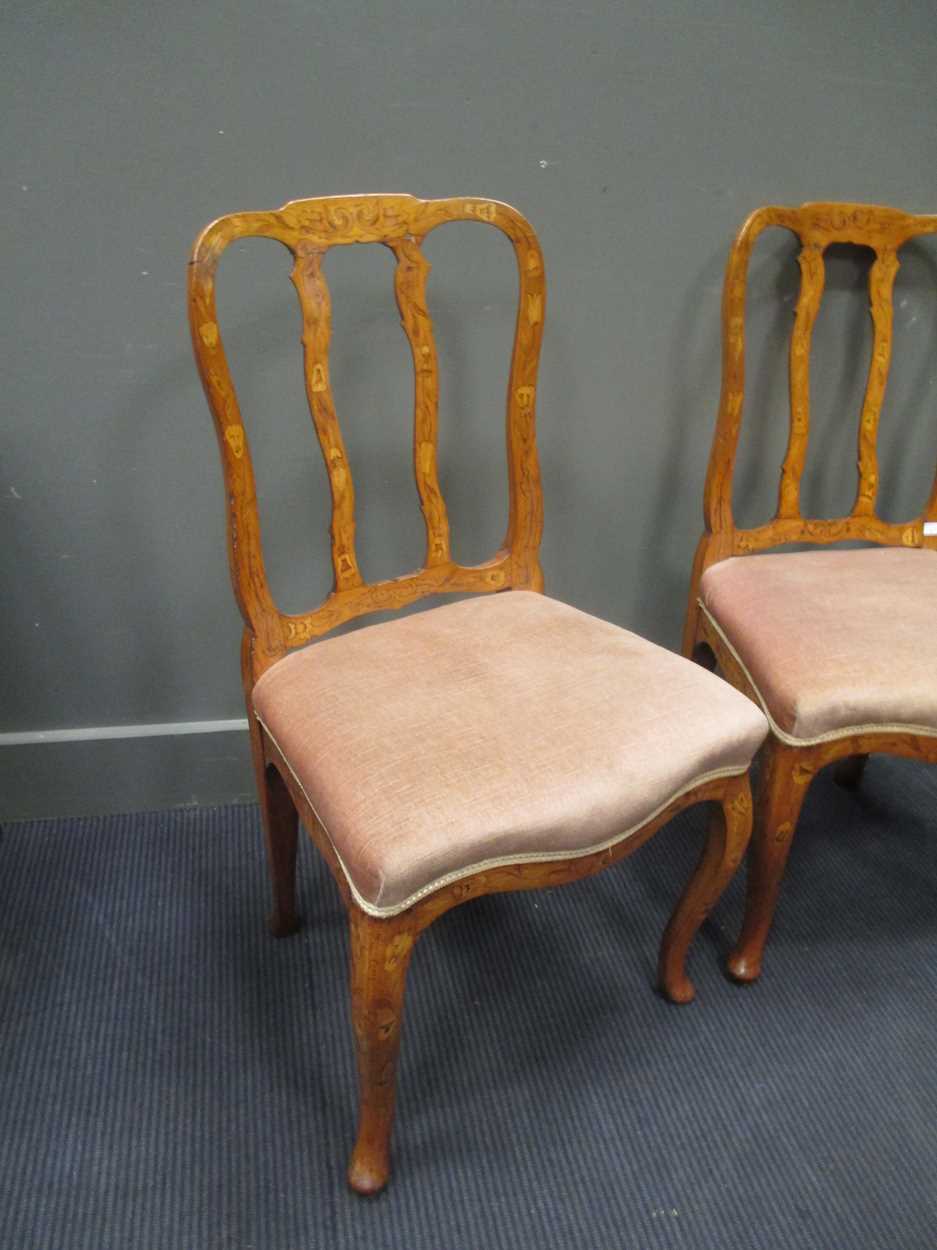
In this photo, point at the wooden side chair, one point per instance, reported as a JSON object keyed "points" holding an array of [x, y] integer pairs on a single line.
{"points": [[502, 742], [837, 646]]}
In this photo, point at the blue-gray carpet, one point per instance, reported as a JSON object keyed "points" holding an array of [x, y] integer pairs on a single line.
{"points": [[172, 1077]]}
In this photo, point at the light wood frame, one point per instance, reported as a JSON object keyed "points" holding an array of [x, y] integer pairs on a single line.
{"points": [[380, 948], [787, 768]]}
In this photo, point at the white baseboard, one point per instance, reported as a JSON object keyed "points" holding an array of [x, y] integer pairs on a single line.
{"points": [[96, 733]]}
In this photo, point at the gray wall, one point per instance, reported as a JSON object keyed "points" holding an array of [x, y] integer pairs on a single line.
{"points": [[635, 137]]}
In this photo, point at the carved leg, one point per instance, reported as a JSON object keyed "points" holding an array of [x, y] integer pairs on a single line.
{"points": [[786, 774], [848, 772], [730, 828], [380, 955]]}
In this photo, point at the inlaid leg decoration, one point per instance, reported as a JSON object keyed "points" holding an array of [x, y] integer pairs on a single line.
{"points": [[786, 774], [281, 826], [730, 828], [848, 772], [380, 955]]}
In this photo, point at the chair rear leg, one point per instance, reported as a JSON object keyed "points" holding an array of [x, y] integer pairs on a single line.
{"points": [[786, 773], [848, 772], [730, 828], [380, 956], [691, 633], [281, 829]]}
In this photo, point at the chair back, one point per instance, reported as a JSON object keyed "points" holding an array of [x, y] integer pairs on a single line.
{"points": [[884, 230], [308, 228]]}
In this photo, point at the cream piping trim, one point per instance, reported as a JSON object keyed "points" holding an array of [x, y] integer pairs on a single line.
{"points": [[834, 734], [500, 861]]}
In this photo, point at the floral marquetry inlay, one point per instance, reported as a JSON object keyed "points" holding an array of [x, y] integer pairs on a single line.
{"points": [[485, 212], [368, 219], [234, 437]]}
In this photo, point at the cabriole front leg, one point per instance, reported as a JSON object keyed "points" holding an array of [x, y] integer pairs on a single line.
{"points": [[786, 774], [730, 828], [380, 956]]}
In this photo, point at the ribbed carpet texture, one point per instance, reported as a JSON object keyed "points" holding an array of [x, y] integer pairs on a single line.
{"points": [[173, 1078]]}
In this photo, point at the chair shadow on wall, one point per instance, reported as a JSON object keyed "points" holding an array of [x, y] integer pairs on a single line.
{"points": [[143, 427], [680, 471], [667, 550], [918, 274]]}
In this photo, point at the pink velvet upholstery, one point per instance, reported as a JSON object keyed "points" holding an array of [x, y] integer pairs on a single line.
{"points": [[499, 728], [833, 640]]}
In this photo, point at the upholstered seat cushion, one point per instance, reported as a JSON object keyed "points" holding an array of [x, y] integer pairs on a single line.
{"points": [[833, 641], [499, 728]]}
